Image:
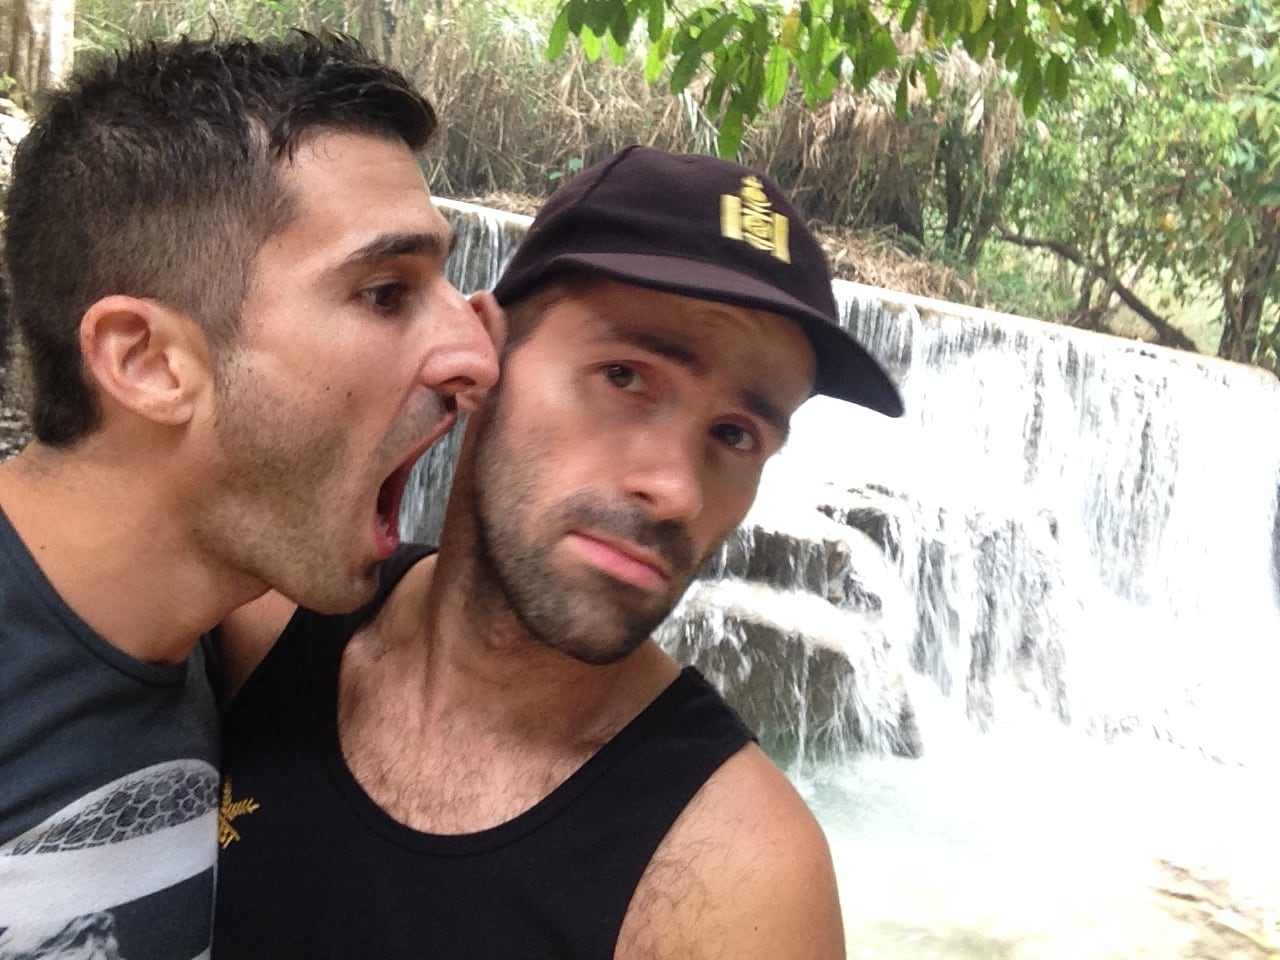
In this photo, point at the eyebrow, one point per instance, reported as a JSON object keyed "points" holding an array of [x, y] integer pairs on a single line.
{"points": [[673, 350], [757, 403], [768, 411], [391, 245]]}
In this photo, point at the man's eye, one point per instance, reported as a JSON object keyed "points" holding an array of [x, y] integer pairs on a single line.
{"points": [[386, 297], [732, 435], [624, 377]]}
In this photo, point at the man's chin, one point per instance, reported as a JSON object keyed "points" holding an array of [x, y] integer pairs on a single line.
{"points": [[602, 644], [335, 599], [596, 655]]}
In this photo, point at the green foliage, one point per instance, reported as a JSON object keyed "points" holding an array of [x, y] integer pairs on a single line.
{"points": [[1156, 160], [1166, 159], [750, 51], [573, 165], [1016, 281]]}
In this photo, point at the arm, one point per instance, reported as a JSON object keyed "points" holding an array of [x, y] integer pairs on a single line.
{"points": [[745, 872], [245, 636]]}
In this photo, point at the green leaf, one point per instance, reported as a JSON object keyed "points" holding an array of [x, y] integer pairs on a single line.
{"points": [[1108, 38], [559, 34], [884, 51], [730, 133], [932, 85], [909, 16], [657, 18], [664, 43], [684, 69], [714, 35], [776, 70], [1056, 74], [590, 43], [597, 16], [826, 86], [617, 51], [1263, 117], [575, 11], [653, 62], [1082, 29], [713, 96], [815, 56], [974, 45], [1153, 18], [620, 27], [1018, 51], [1032, 85], [977, 14]]}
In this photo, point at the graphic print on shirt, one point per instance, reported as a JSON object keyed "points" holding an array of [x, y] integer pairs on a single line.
{"points": [[126, 871], [230, 809]]}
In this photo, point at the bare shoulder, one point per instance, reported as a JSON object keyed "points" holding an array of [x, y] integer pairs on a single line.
{"points": [[245, 636], [744, 872]]}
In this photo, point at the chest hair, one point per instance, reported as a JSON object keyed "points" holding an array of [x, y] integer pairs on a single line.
{"points": [[442, 773]]}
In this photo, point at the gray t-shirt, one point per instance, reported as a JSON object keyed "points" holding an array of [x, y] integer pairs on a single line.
{"points": [[108, 786]]}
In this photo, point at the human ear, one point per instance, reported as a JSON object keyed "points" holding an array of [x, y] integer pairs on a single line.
{"points": [[148, 357], [492, 317]]}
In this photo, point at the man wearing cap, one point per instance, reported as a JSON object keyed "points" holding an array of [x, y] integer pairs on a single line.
{"points": [[493, 759]]}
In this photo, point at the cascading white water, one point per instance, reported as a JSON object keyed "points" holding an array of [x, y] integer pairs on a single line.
{"points": [[1093, 510], [486, 240], [1067, 542], [1078, 522]]}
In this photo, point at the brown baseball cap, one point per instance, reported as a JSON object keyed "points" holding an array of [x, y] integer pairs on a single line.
{"points": [[707, 228]]}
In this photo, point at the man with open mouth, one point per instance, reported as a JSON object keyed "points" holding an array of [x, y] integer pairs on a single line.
{"points": [[494, 759], [227, 272]]}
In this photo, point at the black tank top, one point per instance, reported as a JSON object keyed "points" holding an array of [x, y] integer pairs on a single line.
{"points": [[312, 868]]}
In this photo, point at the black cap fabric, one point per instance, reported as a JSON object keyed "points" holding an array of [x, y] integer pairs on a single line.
{"points": [[702, 227]]}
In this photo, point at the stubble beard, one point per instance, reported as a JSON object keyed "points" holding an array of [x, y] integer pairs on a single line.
{"points": [[273, 512], [266, 515], [590, 617]]}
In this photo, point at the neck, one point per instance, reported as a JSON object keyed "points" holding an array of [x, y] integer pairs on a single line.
{"points": [[455, 719], [110, 538], [473, 658]]}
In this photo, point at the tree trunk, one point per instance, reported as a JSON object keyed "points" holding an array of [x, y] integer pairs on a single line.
{"points": [[373, 27], [379, 22], [1166, 334], [38, 46], [950, 158], [1244, 292]]}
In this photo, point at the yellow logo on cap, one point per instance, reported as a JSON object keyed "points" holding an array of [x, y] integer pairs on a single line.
{"points": [[749, 217]]}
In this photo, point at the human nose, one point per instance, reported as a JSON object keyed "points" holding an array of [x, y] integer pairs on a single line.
{"points": [[664, 473], [462, 361]]}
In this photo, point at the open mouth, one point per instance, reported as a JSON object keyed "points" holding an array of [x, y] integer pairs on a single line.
{"points": [[387, 518], [391, 493]]}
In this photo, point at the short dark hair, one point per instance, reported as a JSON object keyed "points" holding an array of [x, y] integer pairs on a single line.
{"points": [[156, 174], [524, 316]]}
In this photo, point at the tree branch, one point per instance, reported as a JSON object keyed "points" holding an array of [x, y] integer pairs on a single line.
{"points": [[1166, 334]]}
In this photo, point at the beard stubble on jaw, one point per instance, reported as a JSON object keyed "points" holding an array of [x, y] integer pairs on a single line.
{"points": [[590, 617], [280, 509]]}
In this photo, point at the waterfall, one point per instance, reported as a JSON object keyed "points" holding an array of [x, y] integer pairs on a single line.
{"points": [[1065, 527], [486, 240], [1083, 521]]}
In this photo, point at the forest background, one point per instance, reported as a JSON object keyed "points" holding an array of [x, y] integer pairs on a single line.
{"points": [[1109, 164]]}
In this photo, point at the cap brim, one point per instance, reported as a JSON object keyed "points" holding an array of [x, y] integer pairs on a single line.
{"points": [[845, 370]]}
